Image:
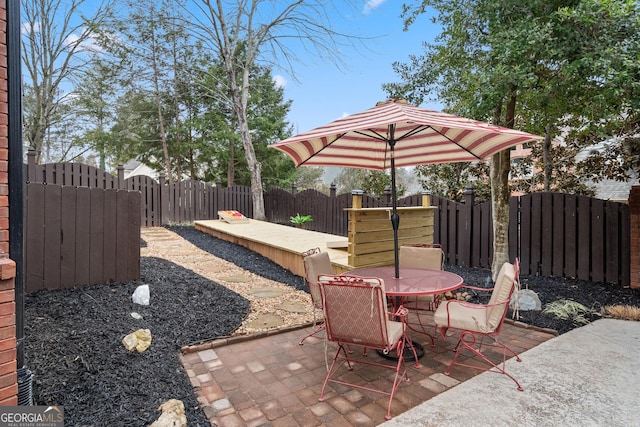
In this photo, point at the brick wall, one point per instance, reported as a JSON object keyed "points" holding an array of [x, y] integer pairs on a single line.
{"points": [[8, 376], [634, 207]]}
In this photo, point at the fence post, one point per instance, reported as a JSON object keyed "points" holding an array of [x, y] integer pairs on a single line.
{"points": [[387, 196], [332, 213], [634, 214], [164, 199], [426, 198], [217, 199], [120, 177], [31, 165], [356, 199], [465, 227], [469, 195], [294, 188]]}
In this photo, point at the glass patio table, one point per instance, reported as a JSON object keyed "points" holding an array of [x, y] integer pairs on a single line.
{"points": [[413, 282]]}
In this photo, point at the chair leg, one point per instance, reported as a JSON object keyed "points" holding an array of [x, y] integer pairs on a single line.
{"points": [[317, 328], [401, 365], [333, 369], [407, 339], [469, 345], [338, 361], [421, 327]]}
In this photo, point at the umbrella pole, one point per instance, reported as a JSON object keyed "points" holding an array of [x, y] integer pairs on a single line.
{"points": [[395, 218]]}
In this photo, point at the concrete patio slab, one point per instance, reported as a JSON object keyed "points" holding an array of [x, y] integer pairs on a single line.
{"points": [[586, 377]]}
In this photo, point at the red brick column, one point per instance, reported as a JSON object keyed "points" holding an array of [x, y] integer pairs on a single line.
{"points": [[634, 208], [8, 369]]}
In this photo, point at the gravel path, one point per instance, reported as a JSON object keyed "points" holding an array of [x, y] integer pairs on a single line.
{"points": [[202, 288]]}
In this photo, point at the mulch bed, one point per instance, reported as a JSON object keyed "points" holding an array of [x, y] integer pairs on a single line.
{"points": [[73, 337], [592, 295]]}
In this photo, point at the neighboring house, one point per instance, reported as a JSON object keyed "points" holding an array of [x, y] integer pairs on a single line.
{"points": [[135, 168], [608, 189]]}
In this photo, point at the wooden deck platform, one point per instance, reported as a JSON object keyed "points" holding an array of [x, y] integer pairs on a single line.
{"points": [[282, 244]]}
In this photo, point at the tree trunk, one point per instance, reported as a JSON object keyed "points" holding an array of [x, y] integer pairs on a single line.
{"points": [[158, 100], [500, 194], [546, 156], [230, 164], [255, 170]]}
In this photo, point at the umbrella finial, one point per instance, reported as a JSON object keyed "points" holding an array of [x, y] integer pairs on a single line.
{"points": [[393, 100]]}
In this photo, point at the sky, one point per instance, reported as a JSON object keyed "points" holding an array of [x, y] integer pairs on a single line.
{"points": [[324, 93]]}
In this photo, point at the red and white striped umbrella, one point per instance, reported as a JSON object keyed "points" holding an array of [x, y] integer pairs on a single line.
{"points": [[415, 135], [395, 134]]}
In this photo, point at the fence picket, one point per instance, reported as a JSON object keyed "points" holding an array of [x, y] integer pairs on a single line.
{"points": [[34, 237], [597, 240], [83, 239], [584, 236], [525, 235], [52, 243], [68, 235], [96, 237], [110, 242], [121, 232], [570, 237]]}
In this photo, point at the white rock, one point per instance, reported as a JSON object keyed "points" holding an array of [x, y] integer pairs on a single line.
{"points": [[141, 295], [172, 414]]}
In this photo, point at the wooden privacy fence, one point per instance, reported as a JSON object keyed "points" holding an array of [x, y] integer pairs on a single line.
{"points": [[80, 235], [553, 234]]}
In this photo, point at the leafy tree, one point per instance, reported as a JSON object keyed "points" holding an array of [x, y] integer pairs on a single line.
{"points": [[372, 182], [57, 42], [94, 102], [310, 178], [586, 88], [494, 56], [135, 130], [148, 40], [449, 180], [469, 73], [220, 147]]}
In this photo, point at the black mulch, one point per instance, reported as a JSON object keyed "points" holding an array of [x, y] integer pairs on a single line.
{"points": [[592, 295], [73, 337]]}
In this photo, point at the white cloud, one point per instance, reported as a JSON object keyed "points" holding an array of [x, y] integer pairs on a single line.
{"points": [[280, 81], [372, 5], [26, 28], [89, 44]]}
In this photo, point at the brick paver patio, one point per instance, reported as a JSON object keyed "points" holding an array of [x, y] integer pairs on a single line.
{"points": [[270, 380]]}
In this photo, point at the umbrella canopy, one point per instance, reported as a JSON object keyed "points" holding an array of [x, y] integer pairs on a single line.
{"points": [[395, 134], [419, 136]]}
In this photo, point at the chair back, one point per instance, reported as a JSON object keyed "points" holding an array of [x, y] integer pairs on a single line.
{"points": [[501, 295], [355, 310], [428, 256], [316, 263]]}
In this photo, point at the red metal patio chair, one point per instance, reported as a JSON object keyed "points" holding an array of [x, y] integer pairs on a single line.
{"points": [[477, 322], [315, 263], [355, 313]]}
